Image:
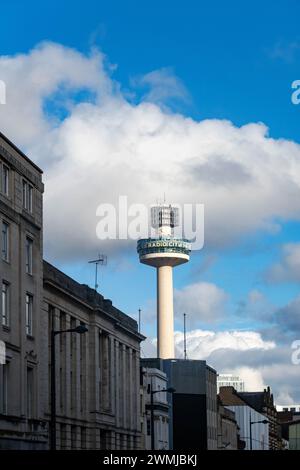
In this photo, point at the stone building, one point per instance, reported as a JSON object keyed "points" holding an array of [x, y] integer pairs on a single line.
{"points": [[22, 424], [228, 430], [97, 373], [155, 380]]}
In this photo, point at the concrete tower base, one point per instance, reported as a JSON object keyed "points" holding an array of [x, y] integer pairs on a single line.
{"points": [[165, 314]]}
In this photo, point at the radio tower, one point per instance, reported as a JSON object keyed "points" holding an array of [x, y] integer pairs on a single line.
{"points": [[164, 252]]}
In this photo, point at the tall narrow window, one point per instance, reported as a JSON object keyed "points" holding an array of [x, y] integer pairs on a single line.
{"points": [[30, 392], [73, 437], [5, 180], [27, 196], [3, 388], [29, 201], [5, 241], [83, 438], [105, 396], [29, 246], [29, 304], [5, 303], [24, 193]]}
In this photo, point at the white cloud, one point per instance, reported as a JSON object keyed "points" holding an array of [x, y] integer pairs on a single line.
{"points": [[258, 362], [202, 301], [253, 378], [201, 344], [284, 398], [34, 77], [288, 268], [163, 86], [256, 306], [148, 347], [237, 346], [288, 318], [284, 379], [107, 146]]}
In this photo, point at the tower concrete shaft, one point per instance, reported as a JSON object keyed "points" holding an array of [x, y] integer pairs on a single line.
{"points": [[163, 253], [165, 315]]}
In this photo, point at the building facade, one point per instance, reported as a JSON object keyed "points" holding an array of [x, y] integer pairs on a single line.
{"points": [[294, 435], [288, 408], [287, 415], [229, 380], [22, 423], [97, 373], [255, 436], [155, 380], [228, 430], [193, 405], [263, 402]]}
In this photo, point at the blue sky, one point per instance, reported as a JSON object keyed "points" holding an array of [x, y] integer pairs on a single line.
{"points": [[235, 61]]}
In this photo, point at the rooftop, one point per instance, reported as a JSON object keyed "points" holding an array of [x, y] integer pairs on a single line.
{"points": [[86, 294], [12, 145]]}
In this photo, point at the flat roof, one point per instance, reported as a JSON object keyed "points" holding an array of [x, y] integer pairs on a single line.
{"points": [[20, 152]]}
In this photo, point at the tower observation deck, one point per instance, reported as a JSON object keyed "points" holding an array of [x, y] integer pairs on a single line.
{"points": [[164, 252]]}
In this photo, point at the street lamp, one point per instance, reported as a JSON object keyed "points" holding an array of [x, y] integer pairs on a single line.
{"points": [[263, 421], [152, 392], [80, 329]]}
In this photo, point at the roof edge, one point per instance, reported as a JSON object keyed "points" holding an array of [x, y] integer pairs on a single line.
{"points": [[9, 142]]}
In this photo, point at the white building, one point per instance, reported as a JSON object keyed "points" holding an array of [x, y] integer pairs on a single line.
{"points": [[230, 380], [260, 431], [292, 408], [253, 426], [155, 380]]}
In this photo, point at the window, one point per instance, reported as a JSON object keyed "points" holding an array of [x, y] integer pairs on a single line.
{"points": [[30, 392], [148, 427], [73, 437], [5, 241], [83, 438], [63, 436], [29, 245], [3, 388], [29, 304], [105, 362], [27, 196], [5, 179], [5, 303]]}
